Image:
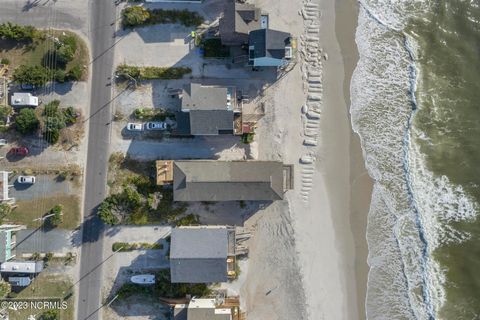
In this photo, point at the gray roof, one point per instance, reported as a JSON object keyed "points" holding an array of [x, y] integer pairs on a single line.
{"points": [[199, 255], [206, 314], [211, 122], [269, 43], [209, 180], [238, 20], [198, 97]]}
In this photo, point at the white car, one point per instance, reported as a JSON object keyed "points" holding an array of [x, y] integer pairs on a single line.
{"points": [[26, 179], [134, 126], [156, 126]]}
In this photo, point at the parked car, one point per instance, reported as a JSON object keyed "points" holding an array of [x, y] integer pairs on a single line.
{"points": [[134, 126], [156, 126], [27, 87], [20, 151], [26, 179]]}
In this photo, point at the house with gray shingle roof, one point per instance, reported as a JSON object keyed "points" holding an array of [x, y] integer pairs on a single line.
{"points": [[211, 109], [237, 22], [269, 48], [210, 180], [203, 254]]}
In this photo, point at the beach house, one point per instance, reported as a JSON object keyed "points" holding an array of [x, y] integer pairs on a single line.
{"points": [[237, 22], [211, 180], [269, 48], [203, 254], [8, 241], [210, 110], [203, 309]]}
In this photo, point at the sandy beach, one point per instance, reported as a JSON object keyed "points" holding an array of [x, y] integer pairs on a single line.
{"points": [[308, 256]]}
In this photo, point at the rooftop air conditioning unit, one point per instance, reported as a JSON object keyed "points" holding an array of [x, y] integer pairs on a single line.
{"points": [[288, 52]]}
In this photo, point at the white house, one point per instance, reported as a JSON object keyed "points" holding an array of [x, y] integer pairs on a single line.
{"points": [[23, 99]]}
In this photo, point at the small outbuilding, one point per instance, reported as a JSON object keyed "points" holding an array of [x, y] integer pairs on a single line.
{"points": [[23, 99]]}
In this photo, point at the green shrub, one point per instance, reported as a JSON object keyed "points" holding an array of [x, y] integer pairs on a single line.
{"points": [[48, 256], [164, 288], [26, 121], [17, 32], [75, 73], [35, 75], [135, 16], [57, 217], [148, 73], [191, 219], [4, 61], [126, 247], [5, 288], [70, 116], [248, 137], [139, 16], [52, 314], [213, 48], [130, 289], [105, 213], [60, 75]]}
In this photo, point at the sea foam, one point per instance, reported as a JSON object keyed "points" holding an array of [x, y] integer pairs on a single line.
{"points": [[411, 209]]}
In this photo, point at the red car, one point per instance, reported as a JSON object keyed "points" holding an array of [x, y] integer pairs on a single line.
{"points": [[21, 151]]}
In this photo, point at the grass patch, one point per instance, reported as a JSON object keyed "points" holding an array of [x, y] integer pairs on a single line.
{"points": [[140, 16], [28, 210], [32, 53], [134, 196], [126, 246], [213, 48], [45, 285], [126, 72]]}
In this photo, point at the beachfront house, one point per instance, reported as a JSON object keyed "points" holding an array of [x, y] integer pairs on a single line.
{"points": [[23, 99], [269, 48], [8, 241], [203, 309], [237, 22], [203, 254], [210, 110], [211, 180]]}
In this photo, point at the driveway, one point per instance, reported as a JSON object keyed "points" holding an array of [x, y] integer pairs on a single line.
{"points": [[221, 147], [37, 240], [45, 185]]}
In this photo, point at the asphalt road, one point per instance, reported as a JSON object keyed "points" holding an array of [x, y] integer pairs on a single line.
{"points": [[102, 18]]}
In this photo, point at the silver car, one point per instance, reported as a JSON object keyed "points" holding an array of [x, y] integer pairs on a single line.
{"points": [[26, 179], [134, 126]]}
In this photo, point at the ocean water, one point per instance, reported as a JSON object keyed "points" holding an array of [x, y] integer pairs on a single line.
{"points": [[416, 106]]}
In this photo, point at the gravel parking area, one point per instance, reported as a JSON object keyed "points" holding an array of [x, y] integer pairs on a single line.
{"points": [[120, 266]]}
